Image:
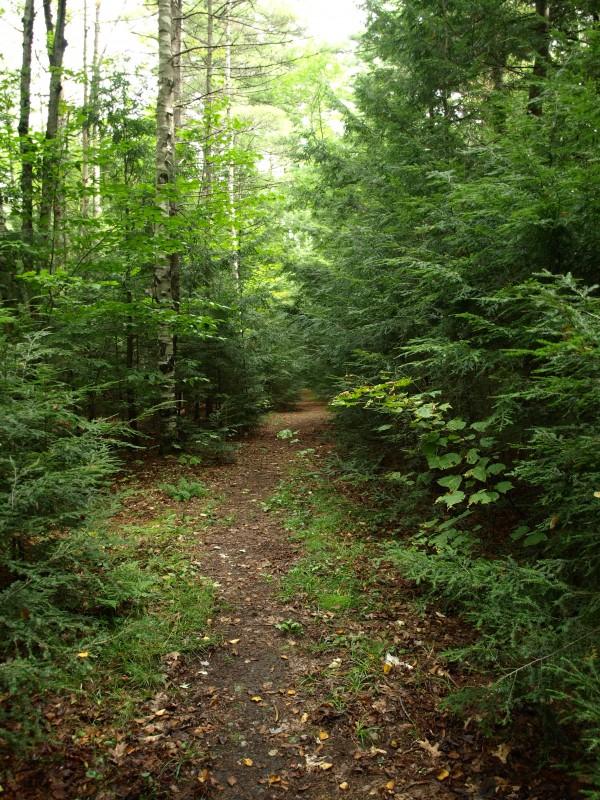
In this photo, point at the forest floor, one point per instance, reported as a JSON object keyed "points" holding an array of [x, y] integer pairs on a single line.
{"points": [[321, 676]]}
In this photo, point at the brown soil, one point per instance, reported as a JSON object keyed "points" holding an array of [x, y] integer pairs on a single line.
{"points": [[256, 708]]}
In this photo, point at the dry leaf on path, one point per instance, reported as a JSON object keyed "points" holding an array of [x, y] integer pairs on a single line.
{"points": [[432, 749], [502, 752]]}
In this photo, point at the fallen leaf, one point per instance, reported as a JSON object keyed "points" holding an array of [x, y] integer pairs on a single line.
{"points": [[325, 765], [390, 785], [502, 752], [204, 776], [119, 750], [344, 786], [323, 735], [291, 692], [247, 762], [304, 718], [273, 779], [442, 775], [161, 712], [387, 668], [432, 749]]}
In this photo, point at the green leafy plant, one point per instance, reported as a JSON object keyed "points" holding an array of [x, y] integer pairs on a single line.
{"points": [[290, 626], [184, 489]]}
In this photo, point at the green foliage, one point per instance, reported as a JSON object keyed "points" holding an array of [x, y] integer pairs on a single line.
{"points": [[184, 489], [536, 633], [287, 434], [290, 626], [456, 217], [103, 605], [53, 461], [80, 604], [326, 575]]}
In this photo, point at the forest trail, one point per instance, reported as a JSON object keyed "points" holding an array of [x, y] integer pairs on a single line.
{"points": [[268, 727], [306, 710]]}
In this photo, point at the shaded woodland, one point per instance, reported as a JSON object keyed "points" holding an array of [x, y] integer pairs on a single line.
{"points": [[408, 229]]}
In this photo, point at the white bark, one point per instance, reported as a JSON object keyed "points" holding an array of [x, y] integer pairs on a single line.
{"points": [[165, 174]]}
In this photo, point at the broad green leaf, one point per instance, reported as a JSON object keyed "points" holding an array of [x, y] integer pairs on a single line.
{"points": [[451, 482], [496, 468], [448, 460], [481, 426], [456, 424], [479, 473], [484, 497], [472, 456], [452, 498]]}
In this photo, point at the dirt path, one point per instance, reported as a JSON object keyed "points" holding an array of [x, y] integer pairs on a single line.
{"points": [[257, 707]]}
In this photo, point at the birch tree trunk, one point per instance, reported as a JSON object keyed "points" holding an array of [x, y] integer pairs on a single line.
{"points": [[25, 143], [50, 163], [165, 173], [176, 22]]}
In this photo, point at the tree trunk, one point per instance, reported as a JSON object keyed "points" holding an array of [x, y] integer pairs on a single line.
{"points": [[235, 258], [25, 143], [542, 55], [94, 98], [50, 165], [176, 22], [85, 129], [165, 173], [207, 143]]}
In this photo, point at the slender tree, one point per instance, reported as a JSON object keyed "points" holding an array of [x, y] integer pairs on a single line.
{"points": [[165, 175], [25, 143], [542, 54], [56, 45], [235, 257]]}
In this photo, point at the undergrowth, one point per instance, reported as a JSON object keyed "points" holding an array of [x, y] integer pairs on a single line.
{"points": [[328, 576], [113, 602], [323, 521]]}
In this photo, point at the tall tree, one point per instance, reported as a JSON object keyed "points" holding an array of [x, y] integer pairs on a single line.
{"points": [[542, 54], [235, 256], [165, 179], [56, 46], [25, 143]]}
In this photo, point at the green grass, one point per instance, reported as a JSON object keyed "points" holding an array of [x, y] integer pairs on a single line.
{"points": [[327, 575], [174, 605], [320, 518]]}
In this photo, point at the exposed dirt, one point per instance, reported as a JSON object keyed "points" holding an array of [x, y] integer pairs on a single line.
{"points": [[260, 727]]}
